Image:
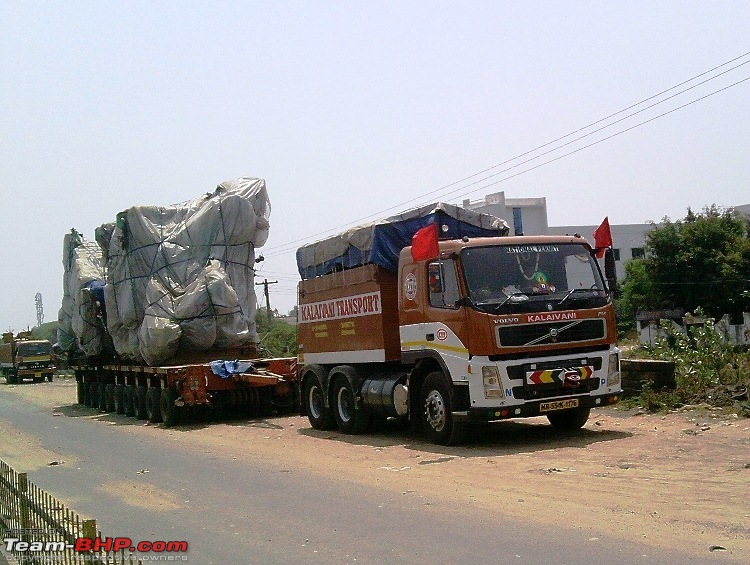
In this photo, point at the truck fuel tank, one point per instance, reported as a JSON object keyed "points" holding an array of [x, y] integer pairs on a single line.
{"points": [[386, 395]]}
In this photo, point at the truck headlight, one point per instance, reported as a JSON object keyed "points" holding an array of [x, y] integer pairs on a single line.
{"points": [[493, 388], [613, 371]]}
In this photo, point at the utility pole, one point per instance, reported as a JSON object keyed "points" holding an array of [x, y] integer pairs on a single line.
{"points": [[265, 284]]}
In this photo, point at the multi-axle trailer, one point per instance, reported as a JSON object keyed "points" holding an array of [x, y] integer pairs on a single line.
{"points": [[172, 394]]}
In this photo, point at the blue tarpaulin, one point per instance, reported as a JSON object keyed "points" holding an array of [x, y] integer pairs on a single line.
{"points": [[226, 369], [381, 242]]}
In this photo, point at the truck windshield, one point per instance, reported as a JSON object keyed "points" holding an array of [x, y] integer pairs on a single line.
{"points": [[519, 278], [32, 349]]}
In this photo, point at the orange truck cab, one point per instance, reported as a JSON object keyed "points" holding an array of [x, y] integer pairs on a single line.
{"points": [[486, 329]]}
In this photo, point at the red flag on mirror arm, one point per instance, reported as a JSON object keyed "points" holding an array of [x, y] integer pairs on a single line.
{"points": [[424, 244], [602, 238]]}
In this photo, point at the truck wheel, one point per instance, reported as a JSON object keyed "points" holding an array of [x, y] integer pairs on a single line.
{"points": [[50, 376], [119, 399], [321, 418], [109, 398], [153, 411], [568, 420], [169, 412], [349, 419], [437, 412], [139, 403], [128, 399], [102, 397], [93, 398], [80, 393]]}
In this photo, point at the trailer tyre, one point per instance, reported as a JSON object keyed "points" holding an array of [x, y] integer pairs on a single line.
{"points": [[437, 411], [169, 412], [93, 398], [102, 397], [321, 418], [349, 419], [128, 398], [153, 411], [109, 398], [139, 403], [569, 420], [119, 399]]}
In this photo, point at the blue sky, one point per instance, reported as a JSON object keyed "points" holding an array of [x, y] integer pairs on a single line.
{"points": [[351, 109]]}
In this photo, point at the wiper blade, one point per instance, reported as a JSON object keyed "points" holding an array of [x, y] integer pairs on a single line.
{"points": [[515, 297], [575, 291]]}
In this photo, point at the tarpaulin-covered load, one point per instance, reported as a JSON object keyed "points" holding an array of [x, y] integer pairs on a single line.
{"points": [[381, 242], [81, 319], [181, 277]]}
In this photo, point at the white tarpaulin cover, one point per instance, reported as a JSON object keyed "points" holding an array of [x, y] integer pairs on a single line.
{"points": [[181, 277], [81, 324], [178, 278]]}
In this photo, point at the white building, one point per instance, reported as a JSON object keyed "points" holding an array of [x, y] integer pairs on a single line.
{"points": [[529, 216]]}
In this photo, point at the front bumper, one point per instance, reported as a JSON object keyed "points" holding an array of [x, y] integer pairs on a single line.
{"points": [[534, 408]]}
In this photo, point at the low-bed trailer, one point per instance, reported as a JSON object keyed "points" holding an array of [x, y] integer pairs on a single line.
{"points": [[169, 394]]}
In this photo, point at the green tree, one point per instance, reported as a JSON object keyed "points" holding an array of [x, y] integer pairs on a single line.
{"points": [[277, 337], [701, 261], [637, 293]]}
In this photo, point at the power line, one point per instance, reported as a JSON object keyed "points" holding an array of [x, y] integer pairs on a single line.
{"points": [[608, 137], [283, 248]]}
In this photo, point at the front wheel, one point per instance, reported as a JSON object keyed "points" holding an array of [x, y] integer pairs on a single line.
{"points": [[437, 411], [568, 420], [321, 418], [349, 419]]}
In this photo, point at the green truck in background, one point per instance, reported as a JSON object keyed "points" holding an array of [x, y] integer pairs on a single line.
{"points": [[24, 358]]}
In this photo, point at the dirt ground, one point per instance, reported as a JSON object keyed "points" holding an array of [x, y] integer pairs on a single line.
{"points": [[679, 480]]}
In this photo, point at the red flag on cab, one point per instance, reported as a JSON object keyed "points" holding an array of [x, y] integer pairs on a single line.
{"points": [[602, 238], [424, 243]]}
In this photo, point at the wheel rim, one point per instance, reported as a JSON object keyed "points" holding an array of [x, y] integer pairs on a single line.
{"points": [[315, 402], [434, 410], [345, 404]]}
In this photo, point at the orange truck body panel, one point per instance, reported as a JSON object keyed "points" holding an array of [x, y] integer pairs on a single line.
{"points": [[349, 316]]}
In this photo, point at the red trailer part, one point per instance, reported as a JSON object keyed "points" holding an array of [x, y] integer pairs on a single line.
{"points": [[176, 393]]}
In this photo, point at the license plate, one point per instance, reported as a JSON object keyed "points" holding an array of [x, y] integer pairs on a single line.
{"points": [[558, 405]]}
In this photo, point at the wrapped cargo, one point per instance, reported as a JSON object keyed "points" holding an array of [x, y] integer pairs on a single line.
{"points": [[81, 317], [181, 277], [380, 242]]}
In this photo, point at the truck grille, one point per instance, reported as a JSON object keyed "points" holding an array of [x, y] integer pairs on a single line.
{"points": [[556, 332], [33, 365]]}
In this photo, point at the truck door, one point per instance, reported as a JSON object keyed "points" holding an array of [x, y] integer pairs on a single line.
{"points": [[444, 304]]}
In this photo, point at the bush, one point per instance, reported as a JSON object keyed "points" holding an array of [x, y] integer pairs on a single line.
{"points": [[707, 369]]}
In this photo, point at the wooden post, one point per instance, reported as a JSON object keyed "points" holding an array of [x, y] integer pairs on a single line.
{"points": [[23, 487]]}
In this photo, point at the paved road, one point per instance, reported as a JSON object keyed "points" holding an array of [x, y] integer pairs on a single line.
{"points": [[233, 512]]}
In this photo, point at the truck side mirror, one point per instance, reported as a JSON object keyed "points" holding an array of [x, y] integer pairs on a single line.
{"points": [[610, 270]]}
